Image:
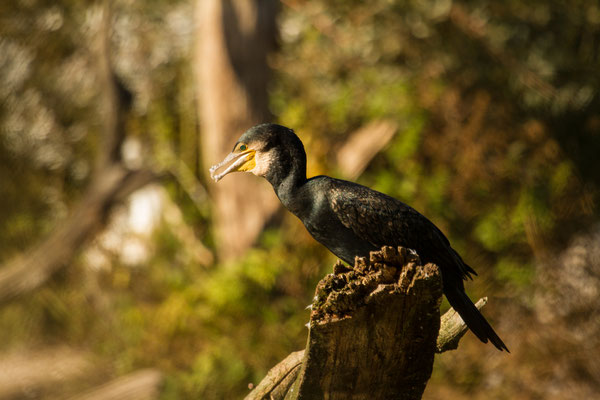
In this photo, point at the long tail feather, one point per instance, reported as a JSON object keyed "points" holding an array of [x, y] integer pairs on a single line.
{"points": [[459, 300]]}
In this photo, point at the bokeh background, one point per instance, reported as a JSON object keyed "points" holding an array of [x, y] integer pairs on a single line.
{"points": [[123, 267]]}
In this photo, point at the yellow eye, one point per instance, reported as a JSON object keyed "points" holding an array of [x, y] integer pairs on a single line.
{"points": [[243, 147]]}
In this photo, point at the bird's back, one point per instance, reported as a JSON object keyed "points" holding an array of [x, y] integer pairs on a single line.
{"points": [[351, 220]]}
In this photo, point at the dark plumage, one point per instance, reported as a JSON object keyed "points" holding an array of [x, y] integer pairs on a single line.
{"points": [[349, 219]]}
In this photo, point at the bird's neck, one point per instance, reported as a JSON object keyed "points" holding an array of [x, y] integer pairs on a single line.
{"points": [[288, 187], [290, 195]]}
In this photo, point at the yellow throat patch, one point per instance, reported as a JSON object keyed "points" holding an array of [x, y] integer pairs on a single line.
{"points": [[250, 162]]}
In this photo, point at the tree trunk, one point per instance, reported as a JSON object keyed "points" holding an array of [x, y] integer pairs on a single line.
{"points": [[234, 39]]}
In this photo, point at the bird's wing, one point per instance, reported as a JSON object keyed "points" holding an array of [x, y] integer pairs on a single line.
{"points": [[378, 218], [382, 220]]}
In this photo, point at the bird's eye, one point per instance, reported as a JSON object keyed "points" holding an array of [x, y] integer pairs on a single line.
{"points": [[243, 147]]}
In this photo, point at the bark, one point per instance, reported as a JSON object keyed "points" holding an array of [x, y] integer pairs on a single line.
{"points": [[234, 39]]}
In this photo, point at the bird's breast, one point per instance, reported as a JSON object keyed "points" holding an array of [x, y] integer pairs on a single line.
{"points": [[337, 238]]}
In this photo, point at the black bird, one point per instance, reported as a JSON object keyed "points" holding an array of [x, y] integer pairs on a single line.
{"points": [[350, 219]]}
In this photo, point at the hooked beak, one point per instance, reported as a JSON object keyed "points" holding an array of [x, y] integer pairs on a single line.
{"points": [[234, 162]]}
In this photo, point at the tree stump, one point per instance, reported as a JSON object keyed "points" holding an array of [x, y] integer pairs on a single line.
{"points": [[372, 333]]}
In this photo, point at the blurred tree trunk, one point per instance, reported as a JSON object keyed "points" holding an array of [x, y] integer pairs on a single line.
{"points": [[234, 39]]}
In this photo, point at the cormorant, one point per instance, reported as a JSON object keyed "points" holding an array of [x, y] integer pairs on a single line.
{"points": [[350, 219]]}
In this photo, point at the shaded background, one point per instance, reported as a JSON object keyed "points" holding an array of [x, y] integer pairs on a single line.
{"points": [[124, 268]]}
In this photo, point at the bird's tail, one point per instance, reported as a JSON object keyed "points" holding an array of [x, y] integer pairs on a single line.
{"points": [[459, 300]]}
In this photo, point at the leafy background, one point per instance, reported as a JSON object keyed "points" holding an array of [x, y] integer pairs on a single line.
{"points": [[498, 134]]}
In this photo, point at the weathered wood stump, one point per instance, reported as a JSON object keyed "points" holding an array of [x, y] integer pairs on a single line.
{"points": [[372, 335]]}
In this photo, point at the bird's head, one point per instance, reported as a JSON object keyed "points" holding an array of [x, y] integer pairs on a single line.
{"points": [[268, 150]]}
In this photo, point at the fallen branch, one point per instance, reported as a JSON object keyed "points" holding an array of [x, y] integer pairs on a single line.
{"points": [[28, 373], [279, 379], [363, 145], [140, 385], [31, 270]]}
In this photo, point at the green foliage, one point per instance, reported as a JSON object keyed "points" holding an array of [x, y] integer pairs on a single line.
{"points": [[497, 144], [515, 273], [236, 314]]}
